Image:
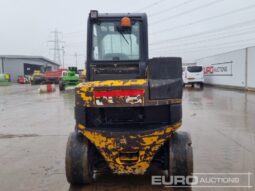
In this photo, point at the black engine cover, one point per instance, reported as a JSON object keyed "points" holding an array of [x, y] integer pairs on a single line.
{"points": [[165, 78]]}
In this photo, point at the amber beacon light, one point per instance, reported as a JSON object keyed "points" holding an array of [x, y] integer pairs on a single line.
{"points": [[125, 22]]}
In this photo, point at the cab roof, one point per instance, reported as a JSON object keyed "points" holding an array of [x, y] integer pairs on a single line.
{"points": [[120, 15], [113, 16]]}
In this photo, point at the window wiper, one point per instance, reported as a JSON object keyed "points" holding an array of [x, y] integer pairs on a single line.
{"points": [[123, 36]]}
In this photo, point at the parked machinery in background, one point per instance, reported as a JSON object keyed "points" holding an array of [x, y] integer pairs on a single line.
{"points": [[23, 79], [53, 76], [5, 79], [37, 78], [193, 75], [82, 74], [69, 78]]}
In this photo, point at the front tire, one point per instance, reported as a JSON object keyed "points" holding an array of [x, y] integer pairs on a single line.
{"points": [[79, 170], [180, 155]]}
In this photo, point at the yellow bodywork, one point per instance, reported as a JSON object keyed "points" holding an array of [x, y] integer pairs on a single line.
{"points": [[37, 73], [114, 83], [129, 152], [146, 144]]}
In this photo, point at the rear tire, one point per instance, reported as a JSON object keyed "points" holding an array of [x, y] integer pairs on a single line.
{"points": [[79, 170], [201, 85], [180, 155], [61, 86]]}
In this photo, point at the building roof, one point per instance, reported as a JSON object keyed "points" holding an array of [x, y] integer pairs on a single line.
{"points": [[29, 57]]}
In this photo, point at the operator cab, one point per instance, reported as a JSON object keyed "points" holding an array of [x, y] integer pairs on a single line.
{"points": [[117, 46]]}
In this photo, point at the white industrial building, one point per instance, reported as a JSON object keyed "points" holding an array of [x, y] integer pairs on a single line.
{"points": [[231, 69], [16, 65]]}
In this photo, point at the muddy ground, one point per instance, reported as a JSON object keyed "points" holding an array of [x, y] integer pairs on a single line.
{"points": [[34, 129]]}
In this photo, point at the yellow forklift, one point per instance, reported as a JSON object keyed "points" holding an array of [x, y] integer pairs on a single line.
{"points": [[128, 110], [37, 77]]}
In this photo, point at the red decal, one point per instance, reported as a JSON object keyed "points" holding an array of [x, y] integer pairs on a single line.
{"points": [[117, 93]]}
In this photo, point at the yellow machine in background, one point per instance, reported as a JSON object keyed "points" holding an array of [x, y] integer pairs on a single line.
{"points": [[5, 79], [37, 77]]}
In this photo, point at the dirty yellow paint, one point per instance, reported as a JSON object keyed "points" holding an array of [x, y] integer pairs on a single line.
{"points": [[83, 92], [150, 140], [101, 141], [81, 127], [146, 144], [113, 83]]}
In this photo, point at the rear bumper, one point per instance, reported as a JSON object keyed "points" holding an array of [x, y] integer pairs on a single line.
{"points": [[129, 152], [191, 81], [71, 83], [37, 80], [52, 79], [155, 92]]}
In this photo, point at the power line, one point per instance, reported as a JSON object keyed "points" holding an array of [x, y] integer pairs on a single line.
{"points": [[78, 42], [74, 33], [150, 5], [213, 39], [202, 48], [222, 50], [171, 8], [208, 19], [237, 25], [78, 55], [76, 59], [186, 12], [63, 56], [218, 46]]}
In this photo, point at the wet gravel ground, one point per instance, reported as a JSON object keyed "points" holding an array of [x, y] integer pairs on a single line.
{"points": [[34, 129]]}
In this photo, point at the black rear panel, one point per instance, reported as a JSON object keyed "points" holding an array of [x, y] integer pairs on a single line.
{"points": [[165, 78], [124, 116], [113, 71], [165, 68], [133, 117]]}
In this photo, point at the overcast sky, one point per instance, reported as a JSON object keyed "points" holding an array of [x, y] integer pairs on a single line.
{"points": [[191, 29]]}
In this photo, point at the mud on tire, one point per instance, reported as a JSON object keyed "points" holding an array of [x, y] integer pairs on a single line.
{"points": [[79, 170], [180, 155], [61, 86]]}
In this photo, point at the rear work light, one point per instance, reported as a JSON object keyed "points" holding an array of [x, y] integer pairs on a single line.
{"points": [[119, 93], [93, 14]]}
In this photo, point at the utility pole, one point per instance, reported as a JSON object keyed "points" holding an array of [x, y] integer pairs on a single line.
{"points": [[63, 54], [56, 46], [76, 59]]}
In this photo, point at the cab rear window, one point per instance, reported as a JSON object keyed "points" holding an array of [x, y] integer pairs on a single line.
{"points": [[194, 69]]}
